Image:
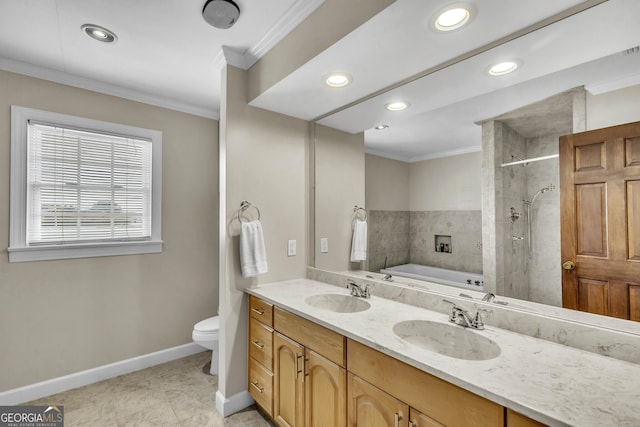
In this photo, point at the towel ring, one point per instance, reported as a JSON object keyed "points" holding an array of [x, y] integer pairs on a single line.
{"points": [[357, 208], [244, 206]]}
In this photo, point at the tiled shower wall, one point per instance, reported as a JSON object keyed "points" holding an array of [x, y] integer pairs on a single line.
{"points": [[409, 237], [388, 238]]}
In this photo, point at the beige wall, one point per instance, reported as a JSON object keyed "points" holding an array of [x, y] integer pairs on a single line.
{"points": [[60, 317], [613, 108], [448, 183], [339, 179], [264, 159], [387, 184]]}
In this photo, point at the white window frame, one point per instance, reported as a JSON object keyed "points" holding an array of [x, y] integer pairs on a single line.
{"points": [[18, 249]]}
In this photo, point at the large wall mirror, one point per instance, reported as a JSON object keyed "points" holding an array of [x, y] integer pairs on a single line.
{"points": [[466, 178]]}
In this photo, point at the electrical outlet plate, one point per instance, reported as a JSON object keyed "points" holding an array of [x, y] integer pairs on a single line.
{"points": [[324, 245], [291, 248]]}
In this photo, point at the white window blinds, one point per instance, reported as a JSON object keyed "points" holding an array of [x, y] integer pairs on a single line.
{"points": [[87, 186]]}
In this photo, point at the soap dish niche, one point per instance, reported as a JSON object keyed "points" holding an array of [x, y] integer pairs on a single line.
{"points": [[443, 243]]}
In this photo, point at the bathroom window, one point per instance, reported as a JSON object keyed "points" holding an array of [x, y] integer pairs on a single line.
{"points": [[82, 188]]}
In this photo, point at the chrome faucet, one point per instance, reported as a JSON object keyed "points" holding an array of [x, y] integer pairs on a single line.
{"points": [[489, 297], [357, 291], [462, 317]]}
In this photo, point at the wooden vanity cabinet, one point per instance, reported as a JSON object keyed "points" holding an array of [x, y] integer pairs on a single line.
{"points": [[515, 419], [298, 376], [261, 353], [369, 406], [418, 419], [309, 374], [433, 400]]}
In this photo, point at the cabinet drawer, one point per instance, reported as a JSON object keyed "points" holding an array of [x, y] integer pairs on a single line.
{"points": [[260, 310], [432, 396], [318, 338], [261, 343], [261, 386]]}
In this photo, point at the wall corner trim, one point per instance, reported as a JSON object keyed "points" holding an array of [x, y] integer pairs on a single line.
{"points": [[78, 379], [233, 404]]}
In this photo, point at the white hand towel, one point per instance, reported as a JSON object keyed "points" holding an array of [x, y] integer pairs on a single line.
{"points": [[359, 242], [253, 257]]}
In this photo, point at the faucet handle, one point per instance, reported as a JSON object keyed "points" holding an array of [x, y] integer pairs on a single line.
{"points": [[449, 302], [478, 323], [366, 293], [489, 297], [457, 315]]}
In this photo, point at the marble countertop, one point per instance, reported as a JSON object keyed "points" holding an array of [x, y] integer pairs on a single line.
{"points": [[549, 382]]}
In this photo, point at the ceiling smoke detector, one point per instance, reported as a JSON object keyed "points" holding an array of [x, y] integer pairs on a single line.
{"points": [[221, 13]]}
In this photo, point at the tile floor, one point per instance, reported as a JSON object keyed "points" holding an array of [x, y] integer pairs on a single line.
{"points": [[177, 394]]}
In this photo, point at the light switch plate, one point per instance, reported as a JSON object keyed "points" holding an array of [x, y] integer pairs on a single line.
{"points": [[291, 248], [324, 245]]}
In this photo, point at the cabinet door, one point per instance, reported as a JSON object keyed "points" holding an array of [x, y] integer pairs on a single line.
{"points": [[371, 407], [325, 392], [418, 419], [515, 419], [288, 386]]}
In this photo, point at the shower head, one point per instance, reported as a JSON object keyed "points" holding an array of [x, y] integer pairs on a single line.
{"points": [[549, 187]]}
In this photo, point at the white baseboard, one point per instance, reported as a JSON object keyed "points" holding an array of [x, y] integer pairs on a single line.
{"points": [[235, 403], [90, 376]]}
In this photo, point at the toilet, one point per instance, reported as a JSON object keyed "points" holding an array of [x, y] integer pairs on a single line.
{"points": [[205, 334]]}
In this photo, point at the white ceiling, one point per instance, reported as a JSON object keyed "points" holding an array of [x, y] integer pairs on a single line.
{"points": [[168, 55]]}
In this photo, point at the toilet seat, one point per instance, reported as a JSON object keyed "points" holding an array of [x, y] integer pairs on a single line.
{"points": [[209, 325], [205, 333]]}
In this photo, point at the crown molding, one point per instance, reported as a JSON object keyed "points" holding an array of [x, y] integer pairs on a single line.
{"points": [[431, 156], [387, 155], [297, 13], [61, 77], [230, 56], [611, 85]]}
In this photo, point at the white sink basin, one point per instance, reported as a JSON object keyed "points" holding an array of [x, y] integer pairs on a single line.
{"points": [[338, 303], [447, 339]]}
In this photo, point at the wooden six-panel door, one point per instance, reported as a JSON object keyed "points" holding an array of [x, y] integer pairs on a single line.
{"points": [[600, 221]]}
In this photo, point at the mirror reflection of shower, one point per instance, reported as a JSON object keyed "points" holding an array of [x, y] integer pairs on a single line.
{"points": [[528, 204]]}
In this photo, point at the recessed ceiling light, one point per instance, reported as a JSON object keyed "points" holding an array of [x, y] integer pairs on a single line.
{"points": [[99, 33], [453, 17], [381, 127], [337, 79], [396, 106], [503, 68]]}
